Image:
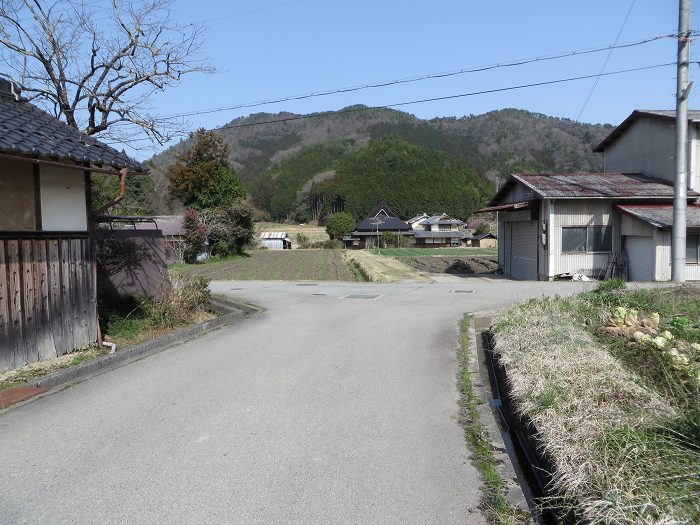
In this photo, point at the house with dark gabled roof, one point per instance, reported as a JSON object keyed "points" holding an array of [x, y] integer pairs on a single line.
{"points": [[369, 230], [47, 256], [553, 224]]}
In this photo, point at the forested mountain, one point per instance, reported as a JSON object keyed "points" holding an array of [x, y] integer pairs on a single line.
{"points": [[290, 167]]}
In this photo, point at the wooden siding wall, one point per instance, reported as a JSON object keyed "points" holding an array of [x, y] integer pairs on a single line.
{"points": [[47, 304]]}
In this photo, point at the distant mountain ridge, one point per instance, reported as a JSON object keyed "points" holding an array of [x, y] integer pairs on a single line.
{"points": [[493, 144]]}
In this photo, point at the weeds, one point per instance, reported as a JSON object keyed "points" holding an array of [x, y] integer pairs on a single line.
{"points": [[495, 500], [617, 414]]}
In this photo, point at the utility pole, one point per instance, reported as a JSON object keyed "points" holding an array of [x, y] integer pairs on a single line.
{"points": [[680, 185]]}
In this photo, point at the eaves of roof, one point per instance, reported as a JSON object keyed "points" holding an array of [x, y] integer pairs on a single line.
{"points": [[693, 116]]}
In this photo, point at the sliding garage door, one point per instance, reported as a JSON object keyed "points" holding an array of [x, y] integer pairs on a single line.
{"points": [[640, 258], [523, 250]]}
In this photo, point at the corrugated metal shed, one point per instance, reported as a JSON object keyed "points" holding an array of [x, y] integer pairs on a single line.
{"points": [[589, 186], [274, 235], [667, 114], [661, 216]]}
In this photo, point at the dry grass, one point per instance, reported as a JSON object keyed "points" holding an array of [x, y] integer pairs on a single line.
{"points": [[313, 232], [382, 269], [617, 459]]}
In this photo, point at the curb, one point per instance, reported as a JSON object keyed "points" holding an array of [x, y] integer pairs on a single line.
{"points": [[518, 491], [231, 312]]}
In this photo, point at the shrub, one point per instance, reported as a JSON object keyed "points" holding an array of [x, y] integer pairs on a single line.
{"points": [[340, 225], [195, 236], [187, 296], [231, 229], [302, 240]]}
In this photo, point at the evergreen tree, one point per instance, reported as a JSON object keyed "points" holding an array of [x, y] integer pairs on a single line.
{"points": [[201, 177]]}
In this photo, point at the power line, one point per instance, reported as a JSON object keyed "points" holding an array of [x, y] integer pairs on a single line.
{"points": [[421, 101], [476, 69], [446, 97], [605, 63]]}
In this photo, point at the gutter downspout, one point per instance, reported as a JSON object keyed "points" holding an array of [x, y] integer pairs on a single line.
{"points": [[120, 196], [122, 193]]}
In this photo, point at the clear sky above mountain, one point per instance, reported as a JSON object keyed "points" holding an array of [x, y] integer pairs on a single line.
{"points": [[268, 49]]}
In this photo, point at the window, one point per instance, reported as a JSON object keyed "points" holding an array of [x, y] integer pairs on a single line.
{"points": [[586, 239], [444, 227], [691, 248]]}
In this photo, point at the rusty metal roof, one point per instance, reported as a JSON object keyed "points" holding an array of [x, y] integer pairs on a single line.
{"points": [[590, 186], [667, 114], [274, 235], [661, 215]]}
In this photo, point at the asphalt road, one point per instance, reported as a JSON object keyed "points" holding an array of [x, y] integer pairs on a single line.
{"points": [[326, 408]]}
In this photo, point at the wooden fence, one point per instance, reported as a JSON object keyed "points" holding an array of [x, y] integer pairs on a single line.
{"points": [[47, 296]]}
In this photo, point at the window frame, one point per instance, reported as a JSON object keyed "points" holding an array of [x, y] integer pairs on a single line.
{"points": [[697, 248], [587, 246]]}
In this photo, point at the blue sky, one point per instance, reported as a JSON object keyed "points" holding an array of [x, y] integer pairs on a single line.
{"points": [[267, 49]]}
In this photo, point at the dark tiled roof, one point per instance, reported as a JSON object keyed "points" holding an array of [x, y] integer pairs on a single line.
{"points": [[388, 224], [661, 216], [27, 130], [590, 186], [484, 236], [382, 206], [667, 114], [428, 234]]}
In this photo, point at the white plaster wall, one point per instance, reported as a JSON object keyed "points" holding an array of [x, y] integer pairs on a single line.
{"points": [[63, 206]]}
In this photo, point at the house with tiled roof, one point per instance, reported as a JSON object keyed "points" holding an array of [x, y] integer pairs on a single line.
{"points": [[439, 230], [47, 259], [369, 230]]}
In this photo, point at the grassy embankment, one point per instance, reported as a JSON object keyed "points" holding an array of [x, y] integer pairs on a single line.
{"points": [[494, 499], [452, 252], [611, 381]]}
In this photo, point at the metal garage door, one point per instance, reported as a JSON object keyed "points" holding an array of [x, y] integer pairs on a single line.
{"points": [[640, 258], [523, 250]]}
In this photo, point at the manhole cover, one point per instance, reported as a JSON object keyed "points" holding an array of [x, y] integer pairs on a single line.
{"points": [[307, 284], [360, 296], [463, 291]]}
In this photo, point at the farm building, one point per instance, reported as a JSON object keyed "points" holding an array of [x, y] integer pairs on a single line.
{"points": [[47, 256], [173, 230], [601, 224], [275, 240], [483, 240], [369, 230], [437, 231], [583, 223]]}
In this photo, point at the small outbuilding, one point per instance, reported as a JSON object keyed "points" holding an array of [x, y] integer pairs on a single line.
{"points": [[275, 240], [484, 240]]}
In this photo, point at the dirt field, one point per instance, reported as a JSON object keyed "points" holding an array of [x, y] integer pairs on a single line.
{"points": [[444, 264], [284, 265], [314, 233]]}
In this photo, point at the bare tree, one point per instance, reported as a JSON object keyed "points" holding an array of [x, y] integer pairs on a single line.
{"points": [[98, 67]]}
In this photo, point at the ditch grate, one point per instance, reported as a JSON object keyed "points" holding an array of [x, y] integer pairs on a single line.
{"points": [[307, 284], [361, 296], [462, 291]]}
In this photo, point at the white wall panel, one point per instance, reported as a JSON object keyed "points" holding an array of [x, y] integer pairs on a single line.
{"points": [[63, 206]]}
